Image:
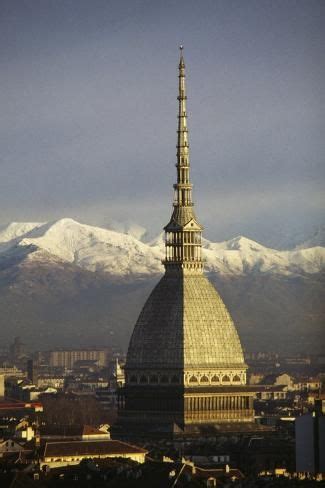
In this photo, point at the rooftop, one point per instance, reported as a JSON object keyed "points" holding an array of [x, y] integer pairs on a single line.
{"points": [[90, 448]]}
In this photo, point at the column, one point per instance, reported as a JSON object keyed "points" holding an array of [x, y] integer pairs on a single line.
{"points": [[250, 402]]}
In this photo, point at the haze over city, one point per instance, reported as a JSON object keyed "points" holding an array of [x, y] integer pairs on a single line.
{"points": [[89, 92]]}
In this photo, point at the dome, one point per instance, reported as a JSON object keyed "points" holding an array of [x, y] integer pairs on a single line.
{"points": [[184, 324], [185, 366]]}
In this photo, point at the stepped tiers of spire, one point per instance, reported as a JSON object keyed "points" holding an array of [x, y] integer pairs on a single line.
{"points": [[185, 363], [183, 232]]}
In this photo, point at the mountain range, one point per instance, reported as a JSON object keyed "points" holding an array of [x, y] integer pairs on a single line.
{"points": [[66, 283]]}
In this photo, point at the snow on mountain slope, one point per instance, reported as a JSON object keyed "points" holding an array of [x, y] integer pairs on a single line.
{"points": [[17, 229], [240, 256], [12, 233], [94, 248], [122, 255]]}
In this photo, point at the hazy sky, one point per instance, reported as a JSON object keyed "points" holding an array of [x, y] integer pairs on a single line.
{"points": [[88, 112]]}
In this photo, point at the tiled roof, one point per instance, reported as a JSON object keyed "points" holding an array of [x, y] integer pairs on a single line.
{"points": [[90, 448]]}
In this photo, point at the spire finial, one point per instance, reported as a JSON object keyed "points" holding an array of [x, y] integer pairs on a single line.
{"points": [[181, 59]]}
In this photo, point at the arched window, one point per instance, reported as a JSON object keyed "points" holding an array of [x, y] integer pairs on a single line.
{"points": [[204, 379], [236, 378], [193, 379], [215, 379], [225, 379], [154, 379], [143, 379], [175, 379]]}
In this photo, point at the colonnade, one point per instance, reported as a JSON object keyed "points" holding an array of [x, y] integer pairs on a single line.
{"points": [[224, 402], [187, 253], [184, 237]]}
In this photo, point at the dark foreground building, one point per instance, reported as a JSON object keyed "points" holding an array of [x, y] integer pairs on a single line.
{"points": [[185, 366]]}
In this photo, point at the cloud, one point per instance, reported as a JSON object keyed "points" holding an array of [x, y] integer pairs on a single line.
{"points": [[89, 96]]}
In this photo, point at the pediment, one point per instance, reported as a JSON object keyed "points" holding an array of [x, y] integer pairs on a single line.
{"points": [[192, 225]]}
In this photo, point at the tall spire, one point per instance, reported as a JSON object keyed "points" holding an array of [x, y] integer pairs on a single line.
{"points": [[183, 232], [183, 187]]}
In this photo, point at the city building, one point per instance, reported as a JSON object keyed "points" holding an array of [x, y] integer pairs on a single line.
{"points": [[32, 371], [185, 366], [67, 453], [17, 349], [13, 407], [74, 432], [310, 443], [11, 372], [66, 358], [9, 445]]}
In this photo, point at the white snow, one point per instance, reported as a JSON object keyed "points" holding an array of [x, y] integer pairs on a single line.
{"points": [[121, 254], [17, 229], [95, 248], [12, 233]]}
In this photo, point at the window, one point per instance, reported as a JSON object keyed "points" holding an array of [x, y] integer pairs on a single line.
{"points": [[193, 379], [204, 379]]}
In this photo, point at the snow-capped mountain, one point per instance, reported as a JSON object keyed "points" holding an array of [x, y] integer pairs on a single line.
{"points": [[93, 248], [122, 254], [12, 233], [64, 282], [241, 256]]}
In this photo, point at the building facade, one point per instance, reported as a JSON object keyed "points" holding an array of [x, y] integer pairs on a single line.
{"points": [[310, 443], [66, 358], [185, 365]]}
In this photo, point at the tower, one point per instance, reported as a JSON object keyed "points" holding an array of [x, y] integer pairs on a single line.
{"points": [[185, 366], [310, 442], [32, 371]]}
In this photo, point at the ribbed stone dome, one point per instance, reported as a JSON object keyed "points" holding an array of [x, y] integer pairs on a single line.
{"points": [[184, 324], [185, 367]]}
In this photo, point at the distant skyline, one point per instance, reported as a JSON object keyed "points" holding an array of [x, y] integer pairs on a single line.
{"points": [[88, 102]]}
